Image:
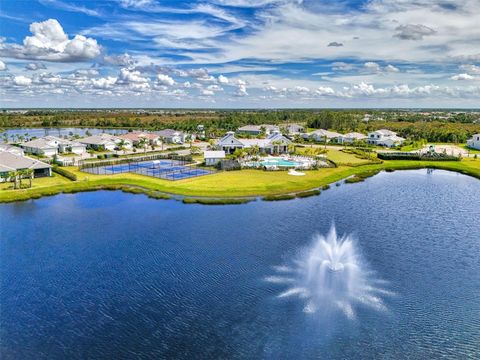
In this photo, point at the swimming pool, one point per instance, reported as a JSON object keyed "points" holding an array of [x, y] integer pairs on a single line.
{"points": [[280, 162]]}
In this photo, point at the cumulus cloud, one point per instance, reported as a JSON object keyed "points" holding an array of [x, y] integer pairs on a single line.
{"points": [[21, 80], [241, 90], [3, 66], [86, 72], [35, 66], [49, 42], [131, 76], [391, 69], [223, 79], [104, 83], [165, 80], [413, 32], [118, 60], [462, 77], [371, 67]]}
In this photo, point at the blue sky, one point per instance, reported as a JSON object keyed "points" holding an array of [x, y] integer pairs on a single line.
{"points": [[240, 53]]}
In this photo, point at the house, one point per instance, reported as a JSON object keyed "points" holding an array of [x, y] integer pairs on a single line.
{"points": [[274, 143], [172, 136], [474, 142], [322, 135], [384, 137], [213, 157], [256, 130], [295, 129], [253, 130], [41, 146], [11, 162], [52, 145], [12, 149], [351, 137], [104, 142], [136, 136]]}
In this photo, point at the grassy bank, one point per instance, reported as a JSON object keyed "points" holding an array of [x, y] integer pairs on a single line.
{"points": [[233, 184]]}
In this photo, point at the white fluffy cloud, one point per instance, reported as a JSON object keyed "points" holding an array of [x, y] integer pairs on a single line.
{"points": [[165, 80], [3, 66], [462, 77], [50, 43], [223, 79], [131, 76], [21, 80]]}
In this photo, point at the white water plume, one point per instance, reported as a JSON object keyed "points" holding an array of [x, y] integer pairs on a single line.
{"points": [[330, 276]]}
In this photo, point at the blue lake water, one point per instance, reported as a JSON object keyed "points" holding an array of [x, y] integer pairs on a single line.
{"points": [[117, 276], [39, 132]]}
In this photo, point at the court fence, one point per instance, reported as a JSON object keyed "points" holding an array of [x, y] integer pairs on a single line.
{"points": [[163, 168]]}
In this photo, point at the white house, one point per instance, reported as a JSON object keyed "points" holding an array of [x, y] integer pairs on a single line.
{"points": [[274, 143], [171, 136], [294, 129], [351, 137], [213, 157], [384, 137], [104, 142], [256, 130], [52, 145], [11, 162], [42, 146], [474, 142], [322, 135]]}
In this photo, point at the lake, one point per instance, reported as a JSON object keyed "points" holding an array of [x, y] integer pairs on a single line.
{"points": [[114, 275], [40, 132]]}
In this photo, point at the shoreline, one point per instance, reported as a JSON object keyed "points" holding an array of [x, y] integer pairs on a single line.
{"points": [[138, 184]]}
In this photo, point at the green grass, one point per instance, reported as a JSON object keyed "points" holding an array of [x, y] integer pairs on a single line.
{"points": [[231, 184], [343, 158]]}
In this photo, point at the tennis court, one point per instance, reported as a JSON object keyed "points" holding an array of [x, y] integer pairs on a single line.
{"points": [[162, 169]]}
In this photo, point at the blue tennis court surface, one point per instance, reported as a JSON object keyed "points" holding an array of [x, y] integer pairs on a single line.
{"points": [[163, 169]]}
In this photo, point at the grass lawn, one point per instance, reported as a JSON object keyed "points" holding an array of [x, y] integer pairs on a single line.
{"points": [[343, 158], [243, 183]]}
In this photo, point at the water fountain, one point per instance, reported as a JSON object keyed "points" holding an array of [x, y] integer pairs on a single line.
{"points": [[331, 276]]}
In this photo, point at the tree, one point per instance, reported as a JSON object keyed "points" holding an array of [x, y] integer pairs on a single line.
{"points": [[13, 175], [195, 150], [142, 143], [121, 145]]}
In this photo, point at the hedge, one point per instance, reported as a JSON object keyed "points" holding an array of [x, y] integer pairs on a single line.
{"points": [[69, 175]]}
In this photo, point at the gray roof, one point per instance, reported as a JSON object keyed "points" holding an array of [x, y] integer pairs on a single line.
{"points": [[11, 162], [169, 132], [42, 143], [249, 128], [98, 139], [11, 149]]}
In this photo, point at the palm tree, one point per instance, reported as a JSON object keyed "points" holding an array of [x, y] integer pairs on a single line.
{"points": [[29, 174], [121, 145], [13, 175], [142, 143]]}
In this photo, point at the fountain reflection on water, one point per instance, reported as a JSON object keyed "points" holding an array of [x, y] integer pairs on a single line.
{"points": [[332, 276]]}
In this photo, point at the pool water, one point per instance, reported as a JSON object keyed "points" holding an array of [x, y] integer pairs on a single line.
{"points": [[280, 163]]}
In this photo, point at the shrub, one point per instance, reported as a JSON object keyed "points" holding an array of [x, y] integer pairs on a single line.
{"points": [[308, 193], [69, 175], [279, 197], [325, 187]]}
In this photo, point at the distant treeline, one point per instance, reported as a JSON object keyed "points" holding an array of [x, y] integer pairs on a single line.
{"points": [[435, 126]]}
